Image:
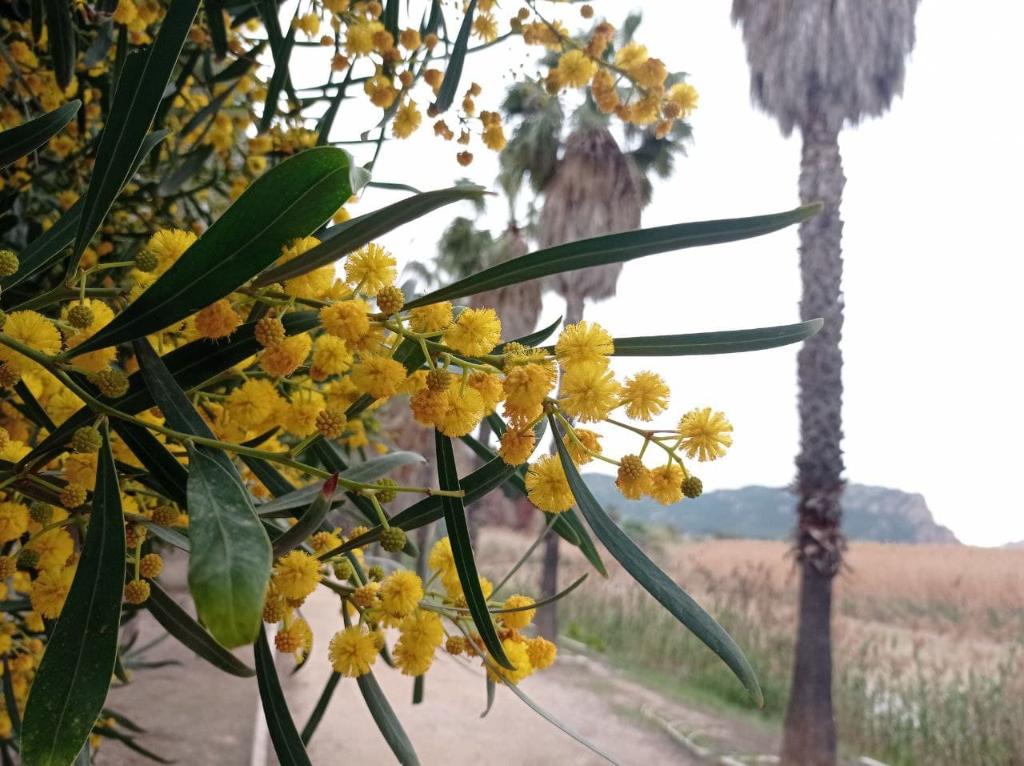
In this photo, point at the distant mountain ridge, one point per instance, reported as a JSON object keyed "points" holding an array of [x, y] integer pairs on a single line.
{"points": [[869, 513]]}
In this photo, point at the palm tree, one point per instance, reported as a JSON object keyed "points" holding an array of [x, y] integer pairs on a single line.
{"points": [[817, 66]]}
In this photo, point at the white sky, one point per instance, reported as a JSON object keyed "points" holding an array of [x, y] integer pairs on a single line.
{"points": [[933, 266]]}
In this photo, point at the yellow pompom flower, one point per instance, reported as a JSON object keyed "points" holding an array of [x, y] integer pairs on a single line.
{"points": [[253, 403], [330, 357], [13, 521], [547, 485], [705, 434], [684, 96], [432, 318], [101, 315], [359, 37], [348, 320], [441, 558], [296, 575], [218, 320], [428, 407], [542, 652], [168, 245], [378, 376], [490, 389], [517, 445], [53, 548], [518, 656], [584, 343], [575, 68], [589, 393], [50, 590], [464, 409], [521, 618], [667, 484], [645, 395], [407, 120], [485, 27], [314, 285], [475, 332], [370, 269], [400, 592], [525, 388], [634, 478], [282, 359], [352, 651], [301, 413], [420, 634], [33, 330], [630, 56], [589, 439]]}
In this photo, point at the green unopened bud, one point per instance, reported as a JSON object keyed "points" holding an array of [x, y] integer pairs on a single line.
{"points": [[375, 573], [387, 493], [111, 383], [80, 316], [40, 513], [87, 439], [392, 539], [8, 263], [692, 486], [28, 559], [343, 569], [146, 261]]}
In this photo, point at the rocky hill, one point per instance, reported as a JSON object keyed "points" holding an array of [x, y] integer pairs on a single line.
{"points": [[871, 513]]}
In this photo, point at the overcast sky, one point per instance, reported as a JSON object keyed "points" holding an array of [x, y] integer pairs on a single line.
{"points": [[933, 260]]}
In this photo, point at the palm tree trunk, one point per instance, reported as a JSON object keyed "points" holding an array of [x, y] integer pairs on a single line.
{"points": [[547, 616], [810, 731]]}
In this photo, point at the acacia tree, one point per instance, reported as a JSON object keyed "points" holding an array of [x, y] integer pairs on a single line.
{"points": [[818, 67]]}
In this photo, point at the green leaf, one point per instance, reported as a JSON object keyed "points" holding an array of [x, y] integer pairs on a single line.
{"points": [[168, 535], [163, 467], [614, 248], [453, 72], [215, 22], [190, 164], [356, 232], [10, 701], [229, 565], [191, 634], [26, 138], [46, 250], [462, 550], [277, 80], [74, 675], [532, 339], [386, 720], [139, 90], [558, 724], [321, 707], [61, 40], [656, 582], [289, 201], [310, 521], [725, 342], [287, 743], [391, 11]]}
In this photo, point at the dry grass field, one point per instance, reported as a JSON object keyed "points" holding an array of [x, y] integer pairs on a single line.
{"points": [[929, 639]]}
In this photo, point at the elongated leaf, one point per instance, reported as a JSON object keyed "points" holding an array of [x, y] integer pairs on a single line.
{"points": [[491, 688], [167, 534], [277, 80], [61, 38], [46, 250], [229, 565], [356, 232], [462, 550], [215, 22], [320, 708], [558, 724], [71, 685], [310, 521], [25, 138], [289, 201], [453, 72], [656, 582], [269, 476], [183, 627], [391, 11], [10, 701], [614, 248], [365, 472], [32, 409], [287, 743], [162, 465], [136, 100], [386, 720], [534, 338], [726, 342], [190, 164]]}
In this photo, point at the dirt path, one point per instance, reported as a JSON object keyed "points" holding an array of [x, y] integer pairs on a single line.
{"points": [[197, 715]]}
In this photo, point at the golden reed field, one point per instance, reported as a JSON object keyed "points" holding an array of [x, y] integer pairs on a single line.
{"points": [[929, 638]]}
